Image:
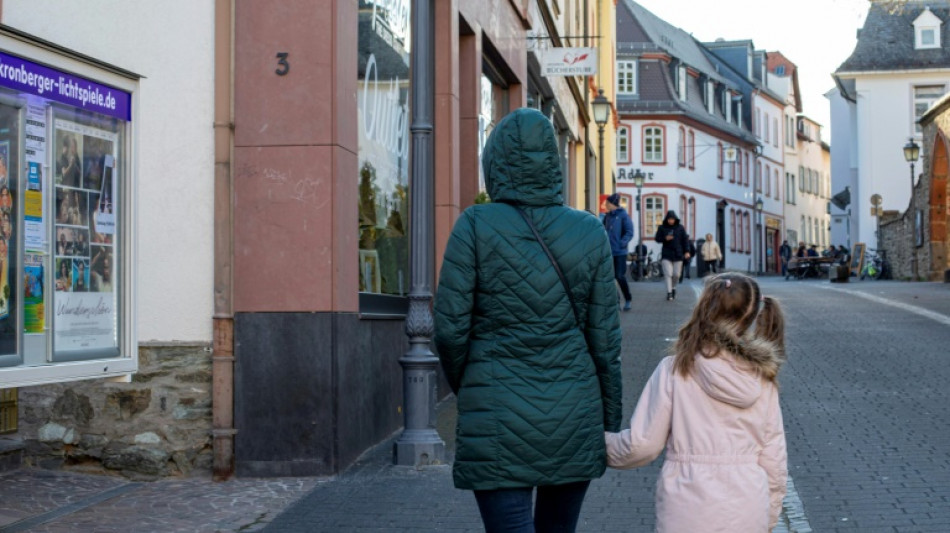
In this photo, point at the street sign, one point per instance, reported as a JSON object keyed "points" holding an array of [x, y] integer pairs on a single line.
{"points": [[730, 154], [877, 211]]}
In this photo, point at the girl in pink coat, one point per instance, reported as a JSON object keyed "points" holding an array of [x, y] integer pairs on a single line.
{"points": [[714, 405]]}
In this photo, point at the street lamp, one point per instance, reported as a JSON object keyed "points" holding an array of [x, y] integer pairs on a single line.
{"points": [[758, 232], [601, 107], [638, 179], [911, 153]]}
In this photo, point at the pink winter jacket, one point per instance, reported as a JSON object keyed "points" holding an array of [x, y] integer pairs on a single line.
{"points": [[725, 467]]}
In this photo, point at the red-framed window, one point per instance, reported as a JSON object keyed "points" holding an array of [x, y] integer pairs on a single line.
{"points": [[654, 144], [732, 229], [654, 208], [692, 149]]}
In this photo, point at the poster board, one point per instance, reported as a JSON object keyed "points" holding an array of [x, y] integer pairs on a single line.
{"points": [[857, 259]]}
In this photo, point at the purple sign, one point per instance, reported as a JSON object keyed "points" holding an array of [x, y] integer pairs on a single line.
{"points": [[28, 77]]}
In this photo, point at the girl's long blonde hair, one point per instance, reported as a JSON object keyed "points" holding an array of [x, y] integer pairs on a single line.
{"points": [[723, 320]]}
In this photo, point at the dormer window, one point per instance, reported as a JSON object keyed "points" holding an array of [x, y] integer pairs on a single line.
{"points": [[681, 82], [710, 96], [927, 30]]}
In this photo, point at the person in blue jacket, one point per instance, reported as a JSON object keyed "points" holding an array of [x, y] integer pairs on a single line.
{"points": [[620, 231]]}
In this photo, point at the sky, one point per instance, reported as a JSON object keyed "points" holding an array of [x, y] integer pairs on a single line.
{"points": [[816, 35]]}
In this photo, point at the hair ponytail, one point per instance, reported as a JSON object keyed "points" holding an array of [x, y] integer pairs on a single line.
{"points": [[770, 324]]}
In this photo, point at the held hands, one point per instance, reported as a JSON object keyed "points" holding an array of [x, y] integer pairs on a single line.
{"points": [[669, 237]]}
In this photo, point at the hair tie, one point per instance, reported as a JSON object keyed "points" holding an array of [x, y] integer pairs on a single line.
{"points": [[728, 283]]}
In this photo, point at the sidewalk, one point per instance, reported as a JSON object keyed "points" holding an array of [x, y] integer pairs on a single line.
{"points": [[373, 495]]}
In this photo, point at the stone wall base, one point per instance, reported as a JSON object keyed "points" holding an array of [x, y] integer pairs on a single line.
{"points": [[159, 425]]}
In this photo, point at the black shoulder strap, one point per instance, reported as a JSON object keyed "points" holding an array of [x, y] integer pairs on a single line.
{"points": [[557, 268]]}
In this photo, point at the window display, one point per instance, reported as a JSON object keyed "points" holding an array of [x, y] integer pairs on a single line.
{"points": [[64, 181]]}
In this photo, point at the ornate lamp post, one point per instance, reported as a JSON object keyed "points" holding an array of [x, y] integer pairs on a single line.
{"points": [[911, 153], [758, 234], [638, 179], [419, 443], [601, 107]]}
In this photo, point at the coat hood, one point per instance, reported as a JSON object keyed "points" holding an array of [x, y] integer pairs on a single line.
{"points": [[738, 380], [521, 162], [671, 214]]}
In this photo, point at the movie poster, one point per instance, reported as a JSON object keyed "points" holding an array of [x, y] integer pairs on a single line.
{"points": [[85, 302]]}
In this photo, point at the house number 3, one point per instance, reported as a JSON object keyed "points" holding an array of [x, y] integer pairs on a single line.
{"points": [[284, 65]]}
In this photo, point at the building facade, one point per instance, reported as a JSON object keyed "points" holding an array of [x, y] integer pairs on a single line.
{"points": [[265, 245], [898, 69]]}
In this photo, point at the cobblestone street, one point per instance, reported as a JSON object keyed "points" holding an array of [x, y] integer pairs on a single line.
{"points": [[864, 397]]}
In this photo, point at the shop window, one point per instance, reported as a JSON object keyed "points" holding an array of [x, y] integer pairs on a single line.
{"points": [[654, 208], [65, 185], [383, 168]]}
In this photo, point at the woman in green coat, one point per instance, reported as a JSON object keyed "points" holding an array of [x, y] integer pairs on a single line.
{"points": [[536, 386]]}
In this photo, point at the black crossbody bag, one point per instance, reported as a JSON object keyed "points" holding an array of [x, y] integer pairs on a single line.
{"points": [[557, 268]]}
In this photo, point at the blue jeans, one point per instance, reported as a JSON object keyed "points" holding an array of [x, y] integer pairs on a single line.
{"points": [[620, 274], [509, 510]]}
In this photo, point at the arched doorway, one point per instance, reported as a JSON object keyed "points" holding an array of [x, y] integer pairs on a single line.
{"points": [[939, 243]]}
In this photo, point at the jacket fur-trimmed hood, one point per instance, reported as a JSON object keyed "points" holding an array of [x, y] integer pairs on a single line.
{"points": [[734, 367]]}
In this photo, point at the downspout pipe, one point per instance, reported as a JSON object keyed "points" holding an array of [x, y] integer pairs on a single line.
{"points": [[222, 368]]}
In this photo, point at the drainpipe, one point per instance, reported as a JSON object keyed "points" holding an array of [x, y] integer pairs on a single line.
{"points": [[222, 369]]}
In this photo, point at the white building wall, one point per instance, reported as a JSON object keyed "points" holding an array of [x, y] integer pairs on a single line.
{"points": [[172, 47], [844, 168], [884, 125], [701, 184]]}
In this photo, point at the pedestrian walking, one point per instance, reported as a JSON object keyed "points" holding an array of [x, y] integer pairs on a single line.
{"points": [[714, 405], [619, 231], [528, 334], [785, 253], [672, 236], [711, 253], [688, 258]]}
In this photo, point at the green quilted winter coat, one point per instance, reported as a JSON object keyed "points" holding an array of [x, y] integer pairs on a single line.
{"points": [[534, 395]]}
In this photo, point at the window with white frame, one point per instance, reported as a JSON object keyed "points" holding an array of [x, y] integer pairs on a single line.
{"points": [[724, 103], [790, 188], [653, 211], [768, 182], [775, 132], [801, 178], [739, 112], [924, 97], [927, 30], [710, 96], [623, 144], [653, 144], [758, 122], [626, 77], [778, 186], [765, 127], [804, 234]]}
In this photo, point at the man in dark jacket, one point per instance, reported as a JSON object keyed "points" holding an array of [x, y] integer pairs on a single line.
{"points": [[620, 231], [537, 386], [785, 252], [672, 235]]}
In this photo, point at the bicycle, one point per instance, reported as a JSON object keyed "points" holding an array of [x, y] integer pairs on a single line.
{"points": [[875, 266], [651, 269]]}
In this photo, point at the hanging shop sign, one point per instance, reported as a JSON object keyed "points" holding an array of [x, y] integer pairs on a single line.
{"points": [[568, 61]]}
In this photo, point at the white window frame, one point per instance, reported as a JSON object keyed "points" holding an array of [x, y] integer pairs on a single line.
{"points": [[623, 144], [710, 96], [925, 101], [653, 211], [654, 154], [627, 77]]}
